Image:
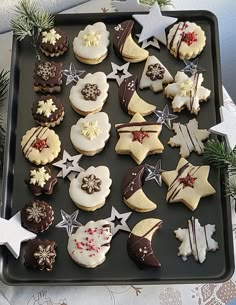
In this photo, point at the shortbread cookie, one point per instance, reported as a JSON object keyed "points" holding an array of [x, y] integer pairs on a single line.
{"points": [[139, 244], [125, 46], [53, 42], [91, 44], [196, 240], [132, 192], [40, 145], [48, 111], [48, 76], [41, 180], [90, 188], [90, 93], [154, 75], [186, 40], [130, 101], [189, 138], [89, 245], [187, 92], [187, 184], [91, 133], [139, 138]]}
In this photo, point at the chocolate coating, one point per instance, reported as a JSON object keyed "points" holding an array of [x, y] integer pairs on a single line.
{"points": [[132, 181], [60, 45], [121, 32], [52, 81], [126, 91]]}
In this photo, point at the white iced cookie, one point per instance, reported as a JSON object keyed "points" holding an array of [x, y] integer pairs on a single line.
{"points": [[90, 188], [154, 75], [187, 92], [186, 40], [90, 93], [91, 44], [91, 133], [90, 243]]}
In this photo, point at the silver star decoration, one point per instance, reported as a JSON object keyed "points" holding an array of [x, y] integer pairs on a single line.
{"points": [[122, 218], [192, 67], [115, 72], [154, 172], [130, 6], [164, 116], [150, 42], [67, 169], [72, 74], [154, 24], [69, 221]]}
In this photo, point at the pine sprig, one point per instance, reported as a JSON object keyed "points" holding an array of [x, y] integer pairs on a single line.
{"points": [[3, 85], [231, 187], [161, 3]]}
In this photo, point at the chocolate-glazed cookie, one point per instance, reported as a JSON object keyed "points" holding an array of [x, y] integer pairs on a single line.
{"points": [[37, 216], [40, 254], [41, 180]]}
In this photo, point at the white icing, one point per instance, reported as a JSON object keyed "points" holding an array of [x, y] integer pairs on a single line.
{"points": [[81, 197], [83, 142], [77, 98], [39, 176], [90, 243], [46, 108], [93, 51], [52, 36]]}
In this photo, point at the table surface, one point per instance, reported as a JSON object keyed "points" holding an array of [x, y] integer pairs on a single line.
{"points": [[209, 294]]}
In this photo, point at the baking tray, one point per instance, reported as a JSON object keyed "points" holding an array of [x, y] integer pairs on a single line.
{"points": [[118, 267]]}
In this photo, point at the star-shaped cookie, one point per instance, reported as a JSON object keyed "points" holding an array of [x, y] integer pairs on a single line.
{"points": [[139, 138], [187, 184]]}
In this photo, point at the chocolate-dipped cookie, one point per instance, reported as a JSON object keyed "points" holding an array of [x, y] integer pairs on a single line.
{"points": [[53, 42], [48, 76], [41, 180], [48, 111], [37, 216], [40, 254]]}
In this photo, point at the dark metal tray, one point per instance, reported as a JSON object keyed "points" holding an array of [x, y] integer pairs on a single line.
{"points": [[118, 268]]}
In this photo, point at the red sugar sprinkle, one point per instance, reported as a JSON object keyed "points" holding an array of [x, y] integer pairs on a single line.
{"points": [[40, 144], [189, 38]]}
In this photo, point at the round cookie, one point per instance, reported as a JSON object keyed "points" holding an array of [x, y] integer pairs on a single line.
{"points": [[40, 145], [89, 245], [91, 44], [90, 188], [91, 133], [90, 93], [48, 111]]}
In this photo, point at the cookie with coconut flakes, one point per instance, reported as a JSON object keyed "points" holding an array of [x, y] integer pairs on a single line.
{"points": [[90, 93], [91, 44], [90, 134]]}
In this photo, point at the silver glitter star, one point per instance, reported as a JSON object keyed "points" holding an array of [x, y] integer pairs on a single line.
{"points": [[154, 172], [72, 74], [164, 116], [69, 221], [115, 72], [122, 218], [72, 167], [192, 67]]}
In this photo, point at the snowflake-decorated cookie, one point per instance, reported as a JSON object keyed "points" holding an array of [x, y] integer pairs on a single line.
{"points": [[90, 93], [89, 245], [91, 44], [91, 133], [187, 92], [90, 188]]}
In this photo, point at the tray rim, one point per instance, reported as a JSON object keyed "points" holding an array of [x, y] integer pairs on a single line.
{"points": [[8, 169]]}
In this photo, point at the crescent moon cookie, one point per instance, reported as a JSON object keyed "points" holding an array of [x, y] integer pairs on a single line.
{"points": [[90, 188], [187, 92], [188, 184], [91, 44], [125, 46], [139, 244], [89, 245], [154, 75], [139, 138], [91, 133], [53, 42], [130, 100], [40, 145], [196, 240], [132, 192], [186, 40], [90, 93]]}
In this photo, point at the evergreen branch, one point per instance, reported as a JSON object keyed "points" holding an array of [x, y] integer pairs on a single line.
{"points": [[3, 85], [231, 187], [161, 3], [22, 27]]}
